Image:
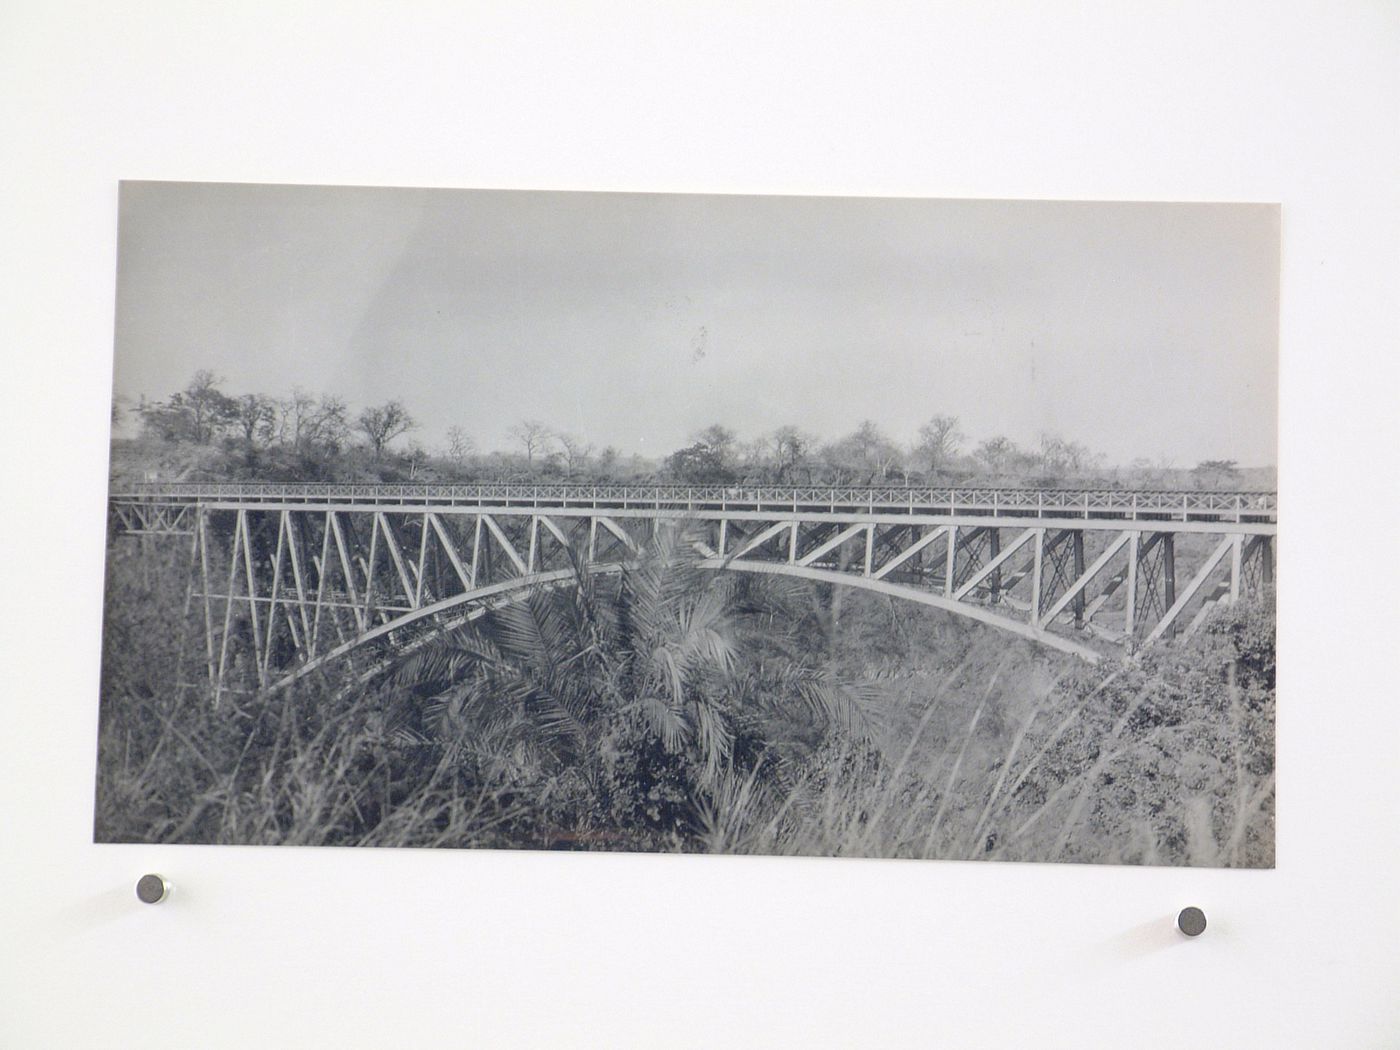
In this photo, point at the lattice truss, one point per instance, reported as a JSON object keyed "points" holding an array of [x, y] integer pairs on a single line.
{"points": [[279, 590], [144, 518]]}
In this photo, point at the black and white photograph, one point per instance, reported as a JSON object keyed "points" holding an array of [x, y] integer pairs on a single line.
{"points": [[861, 527]]}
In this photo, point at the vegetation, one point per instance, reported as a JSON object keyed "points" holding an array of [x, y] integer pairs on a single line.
{"points": [[204, 433], [665, 708], [661, 707]]}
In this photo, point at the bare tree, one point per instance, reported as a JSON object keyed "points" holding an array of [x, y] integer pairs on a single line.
{"points": [[384, 423], [939, 441], [199, 413], [256, 416], [997, 453], [1145, 472], [1216, 473], [303, 422], [459, 445], [288, 414], [210, 409], [719, 442], [1053, 454], [417, 455], [533, 437], [1059, 455], [576, 453], [865, 455], [330, 423], [757, 455], [791, 449]]}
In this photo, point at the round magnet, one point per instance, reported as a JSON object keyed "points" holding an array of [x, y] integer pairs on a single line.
{"points": [[1191, 921], [152, 889]]}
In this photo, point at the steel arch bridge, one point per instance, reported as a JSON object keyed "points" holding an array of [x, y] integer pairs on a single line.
{"points": [[289, 577]]}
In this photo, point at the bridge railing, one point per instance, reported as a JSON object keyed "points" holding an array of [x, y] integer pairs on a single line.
{"points": [[997, 500]]}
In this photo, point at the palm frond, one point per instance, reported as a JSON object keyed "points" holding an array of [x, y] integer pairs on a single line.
{"points": [[788, 688], [843, 704], [704, 648], [456, 654], [523, 631], [665, 721], [640, 602], [714, 737], [669, 669], [587, 612]]}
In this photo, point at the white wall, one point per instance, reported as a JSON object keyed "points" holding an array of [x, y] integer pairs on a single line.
{"points": [[307, 948]]}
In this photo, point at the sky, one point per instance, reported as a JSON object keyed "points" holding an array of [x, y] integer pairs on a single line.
{"points": [[1142, 330]]}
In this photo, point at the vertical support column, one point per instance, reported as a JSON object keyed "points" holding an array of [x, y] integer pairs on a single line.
{"points": [[993, 552], [299, 580], [950, 561], [265, 657], [869, 547], [723, 535], [1130, 606], [534, 543], [322, 571], [252, 597], [1077, 543], [344, 559], [1236, 567], [367, 620], [592, 538], [1168, 542], [1266, 560], [792, 545], [189, 577], [1037, 568], [202, 534], [228, 606], [422, 564], [476, 552]]}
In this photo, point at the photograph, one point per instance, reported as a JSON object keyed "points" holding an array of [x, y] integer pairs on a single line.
{"points": [[860, 527]]}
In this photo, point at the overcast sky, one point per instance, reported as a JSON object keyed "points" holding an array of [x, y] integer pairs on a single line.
{"points": [[636, 319]]}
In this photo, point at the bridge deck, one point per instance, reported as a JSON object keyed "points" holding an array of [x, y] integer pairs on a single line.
{"points": [[1083, 504]]}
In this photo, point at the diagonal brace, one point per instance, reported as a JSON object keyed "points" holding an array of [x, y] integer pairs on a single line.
{"points": [[1184, 598], [1084, 581], [506, 545], [763, 537], [994, 564], [830, 545]]}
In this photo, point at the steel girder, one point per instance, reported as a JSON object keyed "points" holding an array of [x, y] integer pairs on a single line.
{"points": [[285, 586], [1039, 503]]}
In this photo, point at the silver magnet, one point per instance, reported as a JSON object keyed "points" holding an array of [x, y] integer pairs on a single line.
{"points": [[1191, 921], [152, 889]]}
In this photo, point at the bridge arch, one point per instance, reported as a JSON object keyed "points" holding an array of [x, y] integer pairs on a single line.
{"points": [[911, 594], [483, 599]]}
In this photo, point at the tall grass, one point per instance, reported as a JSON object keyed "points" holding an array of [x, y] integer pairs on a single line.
{"points": [[670, 710], [1055, 786]]}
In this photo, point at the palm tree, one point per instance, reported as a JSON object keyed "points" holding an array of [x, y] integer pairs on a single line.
{"points": [[629, 699]]}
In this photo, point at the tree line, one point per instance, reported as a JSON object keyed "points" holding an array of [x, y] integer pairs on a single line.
{"points": [[202, 414], [306, 436]]}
